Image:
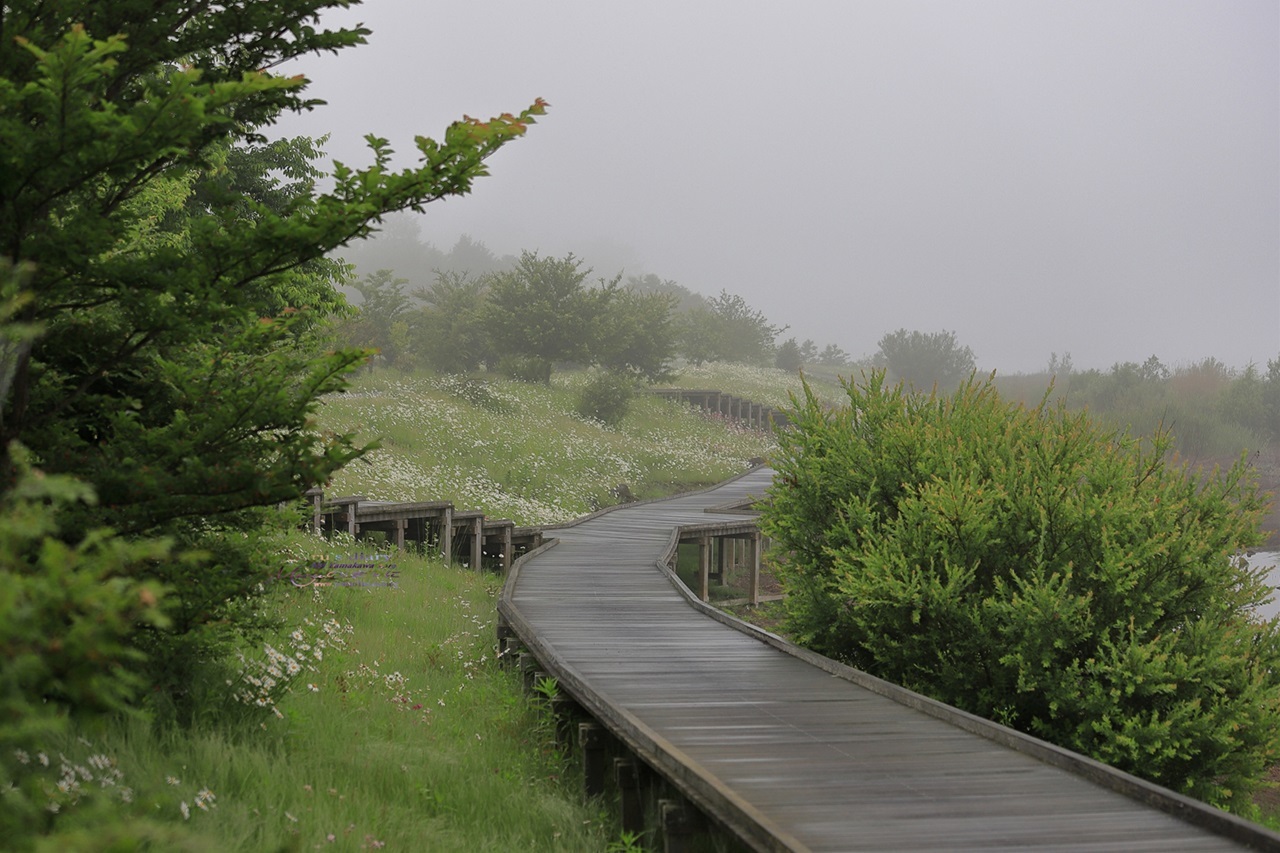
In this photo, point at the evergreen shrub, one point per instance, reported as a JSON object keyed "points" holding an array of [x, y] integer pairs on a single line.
{"points": [[1032, 567]]}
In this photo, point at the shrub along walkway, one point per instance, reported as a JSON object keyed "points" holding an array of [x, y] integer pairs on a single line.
{"points": [[791, 751]]}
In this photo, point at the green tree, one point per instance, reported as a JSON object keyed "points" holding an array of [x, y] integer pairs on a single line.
{"points": [[541, 313], [449, 329], [381, 322], [923, 360], [398, 246], [633, 334], [727, 329], [1032, 567], [1252, 400], [833, 356], [177, 374], [1271, 398], [789, 356], [685, 299]]}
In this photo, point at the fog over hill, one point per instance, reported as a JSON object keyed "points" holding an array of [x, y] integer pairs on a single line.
{"points": [[1094, 177]]}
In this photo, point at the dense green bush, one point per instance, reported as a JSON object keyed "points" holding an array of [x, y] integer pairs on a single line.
{"points": [[1029, 566], [607, 398], [67, 615]]}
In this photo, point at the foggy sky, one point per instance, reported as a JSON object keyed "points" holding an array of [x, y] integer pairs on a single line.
{"points": [[1099, 178]]}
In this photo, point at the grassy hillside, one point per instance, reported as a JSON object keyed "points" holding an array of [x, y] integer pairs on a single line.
{"points": [[519, 451]]}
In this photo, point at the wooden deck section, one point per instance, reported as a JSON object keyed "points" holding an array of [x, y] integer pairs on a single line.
{"points": [[790, 751]]}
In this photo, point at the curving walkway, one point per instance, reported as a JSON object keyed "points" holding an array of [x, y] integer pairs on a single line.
{"points": [[791, 752]]}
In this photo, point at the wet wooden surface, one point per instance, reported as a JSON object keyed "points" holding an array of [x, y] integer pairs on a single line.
{"points": [[759, 736]]}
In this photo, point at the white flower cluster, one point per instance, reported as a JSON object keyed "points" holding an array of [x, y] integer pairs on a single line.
{"points": [[74, 780], [265, 680]]}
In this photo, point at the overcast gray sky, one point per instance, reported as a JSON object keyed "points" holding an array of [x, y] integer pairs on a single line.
{"points": [[1099, 178]]}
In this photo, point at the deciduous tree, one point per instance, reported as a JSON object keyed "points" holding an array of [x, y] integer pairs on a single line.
{"points": [[923, 360], [449, 329], [542, 313], [634, 334]]}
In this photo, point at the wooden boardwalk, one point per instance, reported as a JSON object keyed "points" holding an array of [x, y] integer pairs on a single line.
{"points": [[790, 752]]}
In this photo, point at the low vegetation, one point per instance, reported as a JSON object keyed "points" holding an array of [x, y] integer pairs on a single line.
{"points": [[375, 717]]}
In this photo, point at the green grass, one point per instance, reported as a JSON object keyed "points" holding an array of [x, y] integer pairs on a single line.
{"points": [[399, 729], [404, 733]]}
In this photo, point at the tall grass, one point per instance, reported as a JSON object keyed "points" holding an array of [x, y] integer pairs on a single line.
{"points": [[399, 731]]}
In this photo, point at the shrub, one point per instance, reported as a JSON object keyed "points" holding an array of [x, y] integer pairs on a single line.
{"points": [[68, 612], [1031, 567], [606, 398]]}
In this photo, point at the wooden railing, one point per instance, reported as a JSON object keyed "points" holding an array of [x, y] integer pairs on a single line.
{"points": [[465, 534], [729, 406]]}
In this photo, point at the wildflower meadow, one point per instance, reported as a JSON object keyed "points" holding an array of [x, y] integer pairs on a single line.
{"points": [[518, 450]]}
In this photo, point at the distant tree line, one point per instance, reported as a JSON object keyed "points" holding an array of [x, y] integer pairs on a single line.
{"points": [[1212, 409], [525, 316]]}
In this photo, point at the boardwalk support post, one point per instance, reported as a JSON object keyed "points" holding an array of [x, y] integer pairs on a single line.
{"points": [[529, 671], [592, 739], [680, 824], [507, 545], [626, 775], [567, 713], [508, 643]]}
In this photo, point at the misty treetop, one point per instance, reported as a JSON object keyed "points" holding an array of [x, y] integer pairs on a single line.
{"points": [[923, 360], [535, 312]]}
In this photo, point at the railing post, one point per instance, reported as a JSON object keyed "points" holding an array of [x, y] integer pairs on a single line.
{"points": [[704, 568], [753, 560], [477, 543], [446, 536]]}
